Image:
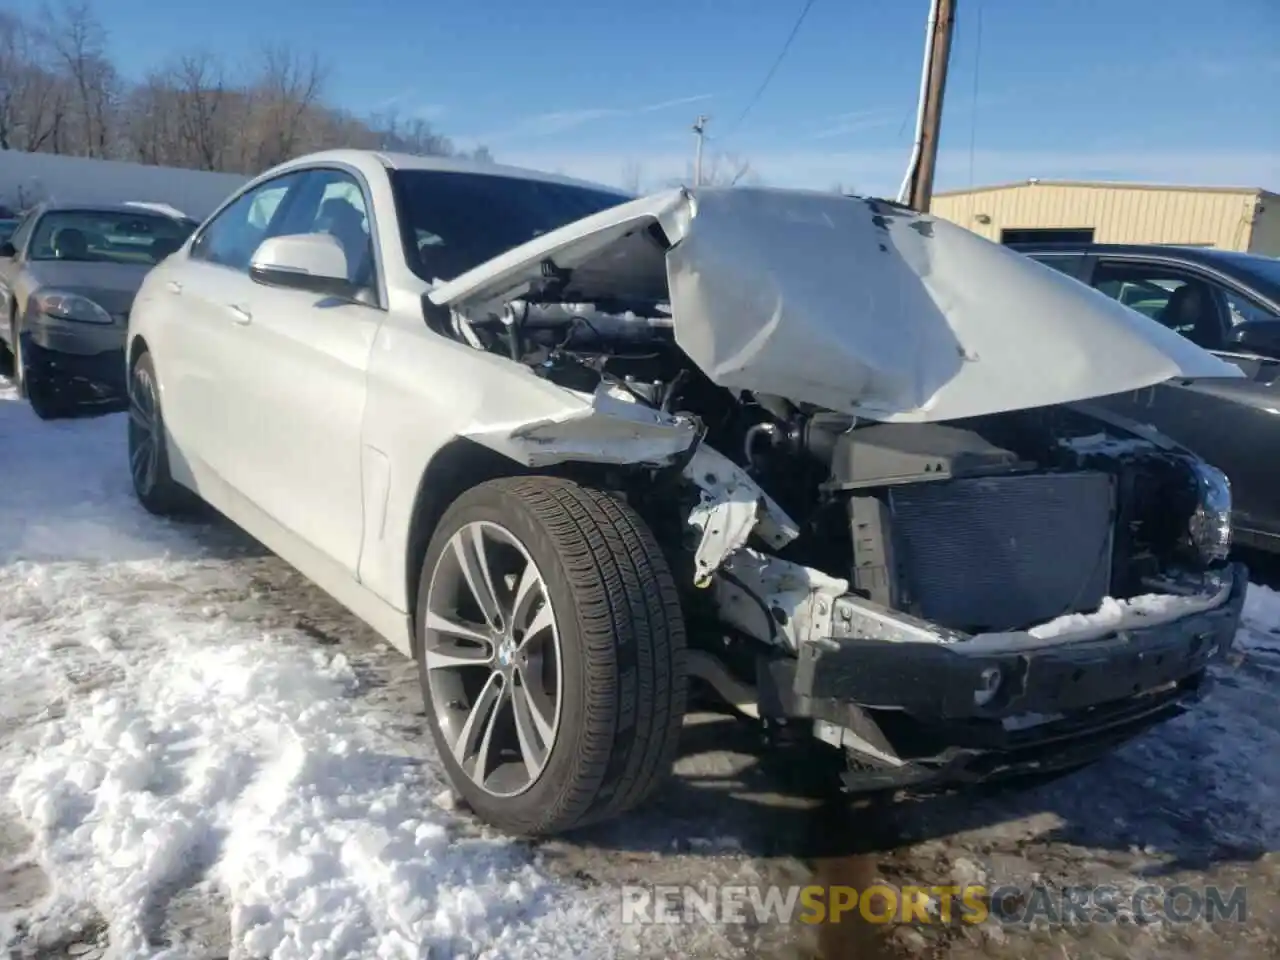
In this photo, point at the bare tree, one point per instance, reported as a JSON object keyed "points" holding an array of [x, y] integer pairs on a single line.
{"points": [[721, 170], [286, 90], [78, 41], [32, 99], [728, 170], [60, 93], [202, 107]]}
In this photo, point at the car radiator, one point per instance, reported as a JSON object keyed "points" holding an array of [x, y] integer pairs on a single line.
{"points": [[1003, 552]]}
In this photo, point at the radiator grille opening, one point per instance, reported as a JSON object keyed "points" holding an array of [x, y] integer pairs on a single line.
{"points": [[1004, 553]]}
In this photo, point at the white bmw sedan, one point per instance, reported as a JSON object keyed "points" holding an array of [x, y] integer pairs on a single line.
{"points": [[527, 428]]}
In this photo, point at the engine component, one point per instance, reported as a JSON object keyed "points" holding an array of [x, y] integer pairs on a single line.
{"points": [[898, 453], [999, 552]]}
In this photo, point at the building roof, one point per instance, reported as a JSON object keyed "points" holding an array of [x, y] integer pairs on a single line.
{"points": [[1100, 185]]}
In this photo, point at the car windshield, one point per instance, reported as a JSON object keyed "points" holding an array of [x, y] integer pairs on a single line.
{"points": [[455, 221], [106, 237]]}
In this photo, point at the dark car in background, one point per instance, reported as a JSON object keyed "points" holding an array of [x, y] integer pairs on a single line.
{"points": [[7, 226], [1228, 303], [68, 276]]}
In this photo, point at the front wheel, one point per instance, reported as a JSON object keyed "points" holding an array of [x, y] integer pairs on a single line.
{"points": [[153, 484], [552, 654]]}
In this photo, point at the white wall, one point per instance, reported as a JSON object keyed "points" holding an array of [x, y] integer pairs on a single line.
{"points": [[27, 178]]}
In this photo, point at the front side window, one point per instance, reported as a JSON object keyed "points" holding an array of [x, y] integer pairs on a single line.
{"points": [[232, 236], [1177, 299], [451, 222], [89, 236], [331, 201], [1242, 309]]}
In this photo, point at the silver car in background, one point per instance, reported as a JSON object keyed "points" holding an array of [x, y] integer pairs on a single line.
{"points": [[68, 276]]}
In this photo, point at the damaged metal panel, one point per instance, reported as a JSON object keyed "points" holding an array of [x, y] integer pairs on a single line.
{"points": [[853, 305], [607, 427], [731, 509], [863, 307], [612, 426], [779, 602]]}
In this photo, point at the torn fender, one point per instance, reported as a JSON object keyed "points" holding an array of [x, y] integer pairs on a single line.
{"points": [[611, 426]]}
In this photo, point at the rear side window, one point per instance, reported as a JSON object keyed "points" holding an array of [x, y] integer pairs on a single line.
{"points": [[1180, 300]]}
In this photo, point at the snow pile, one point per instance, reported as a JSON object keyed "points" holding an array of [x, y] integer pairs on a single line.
{"points": [[206, 754], [66, 493], [1260, 633], [1111, 614], [159, 747]]}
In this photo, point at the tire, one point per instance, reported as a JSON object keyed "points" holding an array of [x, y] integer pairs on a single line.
{"points": [[616, 643], [6, 353], [15, 352], [153, 484], [40, 390]]}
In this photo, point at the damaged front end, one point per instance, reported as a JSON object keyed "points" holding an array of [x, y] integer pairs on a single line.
{"points": [[901, 527]]}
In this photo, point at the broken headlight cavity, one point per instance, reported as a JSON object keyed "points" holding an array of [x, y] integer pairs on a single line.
{"points": [[1209, 528]]}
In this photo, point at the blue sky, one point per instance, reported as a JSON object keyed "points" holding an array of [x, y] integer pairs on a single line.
{"points": [[1164, 90]]}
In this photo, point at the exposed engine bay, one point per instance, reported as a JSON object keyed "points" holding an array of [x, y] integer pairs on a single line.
{"points": [[824, 543], [991, 524]]}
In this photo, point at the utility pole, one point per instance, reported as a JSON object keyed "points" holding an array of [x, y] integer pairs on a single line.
{"points": [[699, 131], [920, 185]]}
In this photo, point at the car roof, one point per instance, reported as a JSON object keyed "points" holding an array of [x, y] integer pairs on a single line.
{"points": [[1204, 254], [120, 208], [412, 161], [1253, 270]]}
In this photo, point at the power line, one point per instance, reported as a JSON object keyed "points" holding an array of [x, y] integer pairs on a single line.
{"points": [[768, 77], [973, 119]]}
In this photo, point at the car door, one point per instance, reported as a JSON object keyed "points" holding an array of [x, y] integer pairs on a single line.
{"points": [[297, 394], [199, 352], [1231, 423], [10, 267]]}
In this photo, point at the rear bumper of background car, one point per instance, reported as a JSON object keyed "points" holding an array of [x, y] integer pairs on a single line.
{"points": [[932, 716]]}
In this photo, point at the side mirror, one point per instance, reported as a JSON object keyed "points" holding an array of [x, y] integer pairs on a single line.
{"points": [[1256, 336], [7, 250], [314, 262]]}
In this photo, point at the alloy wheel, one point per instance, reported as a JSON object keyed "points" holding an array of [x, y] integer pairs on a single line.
{"points": [[492, 657], [144, 442]]}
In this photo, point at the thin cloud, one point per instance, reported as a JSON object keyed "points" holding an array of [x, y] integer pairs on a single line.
{"points": [[562, 121], [678, 102], [858, 120], [406, 103]]}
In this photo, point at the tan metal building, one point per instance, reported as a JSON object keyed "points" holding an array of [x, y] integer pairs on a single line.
{"points": [[1074, 211]]}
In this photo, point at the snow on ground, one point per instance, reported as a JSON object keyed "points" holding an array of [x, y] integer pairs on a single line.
{"points": [[201, 756], [150, 743]]}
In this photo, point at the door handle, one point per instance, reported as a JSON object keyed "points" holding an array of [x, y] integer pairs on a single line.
{"points": [[174, 286], [239, 314]]}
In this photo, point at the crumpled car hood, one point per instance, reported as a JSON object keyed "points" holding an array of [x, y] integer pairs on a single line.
{"points": [[851, 304]]}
